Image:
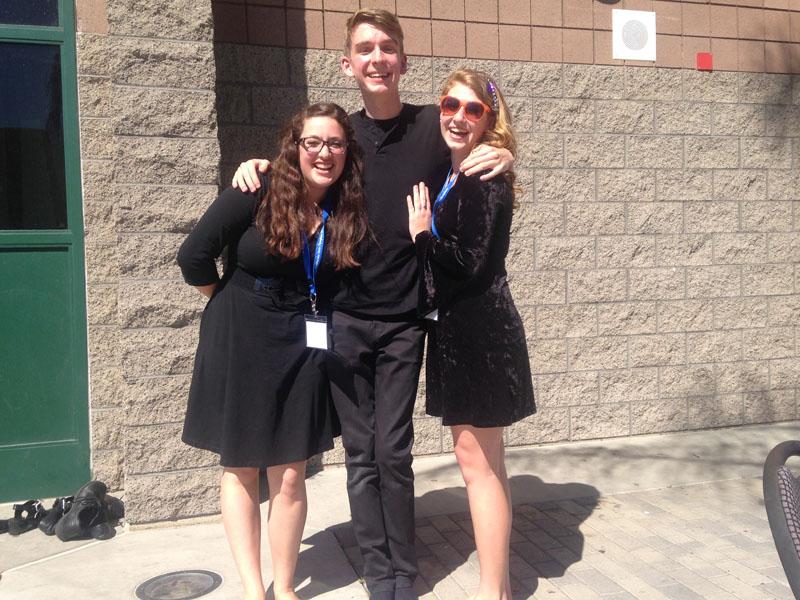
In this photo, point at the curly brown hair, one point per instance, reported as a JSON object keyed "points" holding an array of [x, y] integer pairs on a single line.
{"points": [[284, 214]]}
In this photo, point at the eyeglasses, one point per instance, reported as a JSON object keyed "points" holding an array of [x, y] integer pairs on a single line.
{"points": [[314, 145], [473, 110]]}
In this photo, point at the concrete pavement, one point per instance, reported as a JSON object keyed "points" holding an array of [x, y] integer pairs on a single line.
{"points": [[659, 516]]}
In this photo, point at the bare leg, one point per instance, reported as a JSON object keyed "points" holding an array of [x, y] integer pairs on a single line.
{"points": [[507, 488], [481, 457], [287, 517], [242, 520]]}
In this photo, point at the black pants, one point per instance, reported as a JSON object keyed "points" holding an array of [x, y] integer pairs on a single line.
{"points": [[374, 370]]}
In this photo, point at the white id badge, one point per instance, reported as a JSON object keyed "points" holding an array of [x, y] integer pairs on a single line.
{"points": [[317, 332], [433, 315]]}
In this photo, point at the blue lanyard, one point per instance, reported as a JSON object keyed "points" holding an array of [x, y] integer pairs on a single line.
{"points": [[448, 185], [312, 268]]}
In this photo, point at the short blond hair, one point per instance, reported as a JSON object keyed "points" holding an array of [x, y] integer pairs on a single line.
{"points": [[379, 18]]}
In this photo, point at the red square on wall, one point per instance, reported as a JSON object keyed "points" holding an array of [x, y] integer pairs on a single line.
{"points": [[705, 61]]}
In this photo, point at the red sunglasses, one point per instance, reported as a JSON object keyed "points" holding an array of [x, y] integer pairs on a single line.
{"points": [[473, 110]]}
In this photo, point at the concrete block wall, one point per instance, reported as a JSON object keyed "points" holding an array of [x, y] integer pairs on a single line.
{"points": [[650, 257], [150, 159], [654, 247], [165, 175], [101, 242]]}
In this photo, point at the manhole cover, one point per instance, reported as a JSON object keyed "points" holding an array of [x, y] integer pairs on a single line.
{"points": [[180, 585]]}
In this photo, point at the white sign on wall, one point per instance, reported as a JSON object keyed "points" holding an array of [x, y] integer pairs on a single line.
{"points": [[633, 34]]}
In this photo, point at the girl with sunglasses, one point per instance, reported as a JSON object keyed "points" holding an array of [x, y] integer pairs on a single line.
{"points": [[477, 369], [259, 397]]}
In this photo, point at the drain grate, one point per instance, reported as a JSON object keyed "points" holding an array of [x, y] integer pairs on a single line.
{"points": [[179, 585]]}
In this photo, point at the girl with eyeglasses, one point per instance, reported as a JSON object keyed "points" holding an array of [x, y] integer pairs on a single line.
{"points": [[478, 376], [259, 397]]}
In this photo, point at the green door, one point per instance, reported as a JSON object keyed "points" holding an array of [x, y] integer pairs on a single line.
{"points": [[44, 431]]}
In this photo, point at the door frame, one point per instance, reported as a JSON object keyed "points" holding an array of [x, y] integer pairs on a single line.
{"points": [[70, 238]]}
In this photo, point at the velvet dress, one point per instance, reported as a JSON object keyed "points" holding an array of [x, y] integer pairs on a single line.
{"points": [[259, 397], [477, 370]]}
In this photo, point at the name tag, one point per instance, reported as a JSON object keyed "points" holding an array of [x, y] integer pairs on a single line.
{"points": [[317, 332], [433, 315]]}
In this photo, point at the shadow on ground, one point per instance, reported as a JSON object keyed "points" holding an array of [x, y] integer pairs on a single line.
{"points": [[319, 574], [545, 539]]}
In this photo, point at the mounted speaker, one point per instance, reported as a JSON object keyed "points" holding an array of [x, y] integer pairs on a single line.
{"points": [[633, 34]]}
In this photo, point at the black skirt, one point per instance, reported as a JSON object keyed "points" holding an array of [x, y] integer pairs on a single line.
{"points": [[259, 397], [477, 368]]}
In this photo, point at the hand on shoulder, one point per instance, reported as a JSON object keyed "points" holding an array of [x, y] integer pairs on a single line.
{"points": [[247, 176], [487, 160]]}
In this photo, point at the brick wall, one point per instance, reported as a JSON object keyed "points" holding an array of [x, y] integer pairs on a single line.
{"points": [[744, 35], [654, 248]]}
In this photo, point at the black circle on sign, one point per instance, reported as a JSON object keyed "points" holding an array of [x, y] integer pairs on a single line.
{"points": [[179, 585]]}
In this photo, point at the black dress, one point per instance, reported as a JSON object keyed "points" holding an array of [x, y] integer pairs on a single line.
{"points": [[259, 397], [478, 370]]}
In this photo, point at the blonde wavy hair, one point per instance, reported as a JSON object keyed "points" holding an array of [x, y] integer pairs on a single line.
{"points": [[499, 133]]}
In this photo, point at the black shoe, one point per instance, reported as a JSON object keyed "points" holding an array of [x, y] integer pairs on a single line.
{"points": [[93, 489], [114, 511], [116, 508], [88, 510], [60, 507], [26, 517]]}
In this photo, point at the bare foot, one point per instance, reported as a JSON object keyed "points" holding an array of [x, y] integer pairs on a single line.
{"points": [[290, 595]]}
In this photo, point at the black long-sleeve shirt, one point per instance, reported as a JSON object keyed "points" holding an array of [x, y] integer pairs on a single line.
{"points": [[398, 153], [229, 223]]}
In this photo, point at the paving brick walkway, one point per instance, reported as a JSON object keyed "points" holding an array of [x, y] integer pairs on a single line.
{"points": [[708, 541]]}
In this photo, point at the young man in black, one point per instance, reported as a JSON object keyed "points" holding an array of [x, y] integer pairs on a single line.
{"points": [[377, 338]]}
